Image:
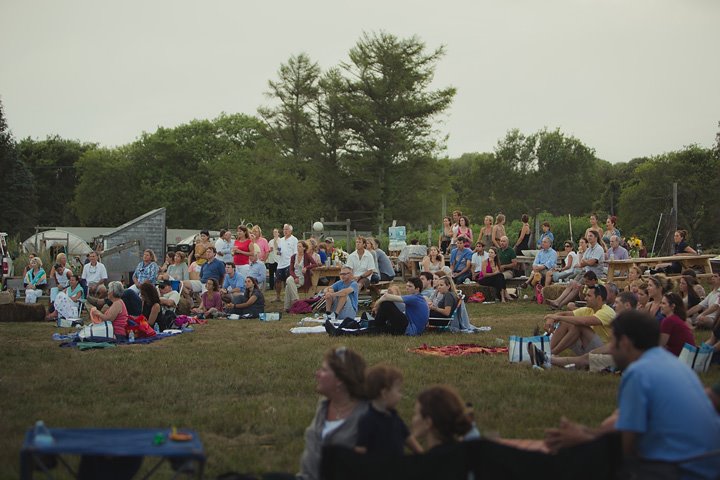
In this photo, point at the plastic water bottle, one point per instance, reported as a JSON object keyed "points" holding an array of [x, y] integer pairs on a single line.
{"points": [[131, 337], [157, 327], [43, 438], [699, 249]]}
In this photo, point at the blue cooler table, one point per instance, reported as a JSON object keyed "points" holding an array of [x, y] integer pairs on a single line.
{"points": [[112, 442]]}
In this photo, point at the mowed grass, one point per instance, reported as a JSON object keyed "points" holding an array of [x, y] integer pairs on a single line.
{"points": [[247, 387]]}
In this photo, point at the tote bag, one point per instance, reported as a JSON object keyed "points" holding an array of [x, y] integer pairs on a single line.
{"points": [[518, 348], [697, 358]]}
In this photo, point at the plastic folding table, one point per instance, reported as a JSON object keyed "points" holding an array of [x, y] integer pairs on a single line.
{"points": [[187, 457]]}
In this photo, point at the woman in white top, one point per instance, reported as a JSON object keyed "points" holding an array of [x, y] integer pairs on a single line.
{"points": [[434, 261], [60, 271], [272, 258], [569, 269]]}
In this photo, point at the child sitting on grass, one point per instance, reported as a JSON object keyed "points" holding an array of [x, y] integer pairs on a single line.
{"points": [[381, 431]]}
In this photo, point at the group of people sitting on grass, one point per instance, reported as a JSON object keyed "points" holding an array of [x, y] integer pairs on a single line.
{"points": [[669, 425]]}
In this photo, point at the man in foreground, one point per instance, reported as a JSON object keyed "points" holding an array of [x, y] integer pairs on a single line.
{"points": [[664, 415]]}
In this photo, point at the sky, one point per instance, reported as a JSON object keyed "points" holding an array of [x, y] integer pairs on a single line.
{"points": [[628, 78]]}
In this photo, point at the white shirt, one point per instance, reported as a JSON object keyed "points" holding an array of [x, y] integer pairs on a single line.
{"points": [[224, 248], [288, 248], [360, 265], [171, 295], [573, 259], [477, 261], [711, 299], [94, 274]]}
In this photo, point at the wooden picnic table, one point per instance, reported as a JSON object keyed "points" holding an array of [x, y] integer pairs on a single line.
{"points": [[320, 272], [621, 267]]}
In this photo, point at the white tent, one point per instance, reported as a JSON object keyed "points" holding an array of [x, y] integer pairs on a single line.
{"points": [[73, 244]]}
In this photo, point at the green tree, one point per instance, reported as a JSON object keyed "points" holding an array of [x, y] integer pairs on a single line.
{"points": [[290, 122], [648, 193], [391, 112], [17, 184], [52, 162], [558, 173], [106, 193]]}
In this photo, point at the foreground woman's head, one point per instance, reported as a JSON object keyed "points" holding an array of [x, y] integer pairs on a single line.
{"points": [[440, 413], [342, 370]]}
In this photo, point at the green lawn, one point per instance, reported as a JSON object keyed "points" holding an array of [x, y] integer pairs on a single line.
{"points": [[247, 387]]}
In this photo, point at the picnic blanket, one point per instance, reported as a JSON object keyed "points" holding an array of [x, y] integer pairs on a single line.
{"points": [[458, 350], [72, 341]]}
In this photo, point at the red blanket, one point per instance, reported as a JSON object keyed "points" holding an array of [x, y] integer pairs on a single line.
{"points": [[458, 350]]}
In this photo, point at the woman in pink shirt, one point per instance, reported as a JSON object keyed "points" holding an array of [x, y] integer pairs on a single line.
{"points": [[117, 313], [261, 242], [211, 304]]}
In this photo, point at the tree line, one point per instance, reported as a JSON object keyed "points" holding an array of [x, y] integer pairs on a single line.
{"points": [[360, 141]]}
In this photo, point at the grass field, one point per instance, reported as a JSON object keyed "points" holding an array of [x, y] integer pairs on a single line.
{"points": [[247, 387]]}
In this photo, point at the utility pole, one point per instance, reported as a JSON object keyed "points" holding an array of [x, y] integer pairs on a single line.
{"points": [[674, 215]]}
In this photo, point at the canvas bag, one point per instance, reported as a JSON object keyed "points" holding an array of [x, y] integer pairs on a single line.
{"points": [[518, 348], [697, 358], [97, 330]]}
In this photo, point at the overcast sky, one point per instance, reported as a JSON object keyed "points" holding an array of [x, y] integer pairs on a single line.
{"points": [[628, 78]]}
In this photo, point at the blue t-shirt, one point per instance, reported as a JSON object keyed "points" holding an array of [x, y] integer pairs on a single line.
{"points": [[213, 269], [234, 281], [662, 400], [417, 311], [352, 296], [460, 257]]}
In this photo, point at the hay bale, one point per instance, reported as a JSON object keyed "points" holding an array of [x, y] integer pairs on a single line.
{"points": [[553, 291], [22, 312]]}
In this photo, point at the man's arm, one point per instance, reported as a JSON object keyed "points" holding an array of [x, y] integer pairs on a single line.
{"points": [[629, 443], [586, 321], [509, 266]]}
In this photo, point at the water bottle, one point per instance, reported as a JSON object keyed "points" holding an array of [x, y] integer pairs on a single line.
{"points": [[131, 337], [699, 249], [157, 327], [42, 435]]}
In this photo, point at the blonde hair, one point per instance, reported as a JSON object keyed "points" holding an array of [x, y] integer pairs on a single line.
{"points": [[60, 256]]}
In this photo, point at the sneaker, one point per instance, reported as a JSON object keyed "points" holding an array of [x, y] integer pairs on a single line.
{"points": [[330, 317], [537, 356]]}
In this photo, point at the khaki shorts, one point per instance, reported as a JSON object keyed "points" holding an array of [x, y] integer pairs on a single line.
{"points": [[600, 361], [580, 349]]}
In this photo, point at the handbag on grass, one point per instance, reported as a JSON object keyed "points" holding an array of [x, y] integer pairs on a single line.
{"points": [[697, 358], [518, 348]]}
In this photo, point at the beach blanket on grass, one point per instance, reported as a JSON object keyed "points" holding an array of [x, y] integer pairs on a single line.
{"points": [[139, 341], [458, 350]]}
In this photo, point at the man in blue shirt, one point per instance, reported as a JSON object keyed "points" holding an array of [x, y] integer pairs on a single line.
{"points": [[389, 318], [256, 269], [461, 261], [545, 260], [663, 412], [234, 283], [341, 298], [213, 268]]}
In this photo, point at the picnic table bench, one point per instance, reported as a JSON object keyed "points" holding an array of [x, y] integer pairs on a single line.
{"points": [[621, 267], [320, 272]]}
